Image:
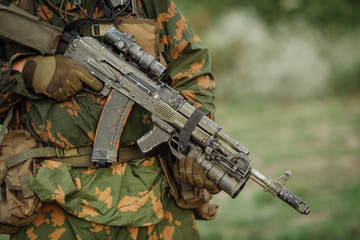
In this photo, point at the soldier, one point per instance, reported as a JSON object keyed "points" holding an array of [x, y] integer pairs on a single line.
{"points": [[58, 102]]}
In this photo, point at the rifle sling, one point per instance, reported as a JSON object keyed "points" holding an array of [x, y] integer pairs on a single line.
{"points": [[190, 125], [6, 123]]}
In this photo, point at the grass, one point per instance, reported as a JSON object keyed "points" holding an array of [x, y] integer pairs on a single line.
{"points": [[318, 140]]}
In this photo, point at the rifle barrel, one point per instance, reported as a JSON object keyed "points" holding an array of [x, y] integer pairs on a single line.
{"points": [[280, 191]]}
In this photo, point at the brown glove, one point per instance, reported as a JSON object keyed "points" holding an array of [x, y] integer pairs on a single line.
{"points": [[57, 76], [188, 171]]}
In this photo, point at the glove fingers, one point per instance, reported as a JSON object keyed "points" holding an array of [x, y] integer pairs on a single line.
{"points": [[199, 175], [189, 163], [76, 86], [59, 95], [188, 171], [182, 171], [211, 187], [70, 89], [176, 172], [88, 79], [83, 75]]}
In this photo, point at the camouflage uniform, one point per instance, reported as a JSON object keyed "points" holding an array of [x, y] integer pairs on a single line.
{"points": [[128, 200]]}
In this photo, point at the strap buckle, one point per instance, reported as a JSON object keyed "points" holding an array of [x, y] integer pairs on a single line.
{"points": [[104, 157], [98, 30], [67, 153]]}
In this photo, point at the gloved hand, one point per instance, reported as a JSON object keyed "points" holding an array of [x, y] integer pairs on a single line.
{"points": [[57, 76], [188, 171]]}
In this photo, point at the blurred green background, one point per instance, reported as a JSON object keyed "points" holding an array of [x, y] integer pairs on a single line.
{"points": [[288, 84]]}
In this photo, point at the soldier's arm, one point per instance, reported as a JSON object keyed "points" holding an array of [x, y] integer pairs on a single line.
{"points": [[12, 87], [187, 57]]}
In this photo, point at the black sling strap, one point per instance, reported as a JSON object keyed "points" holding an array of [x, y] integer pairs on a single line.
{"points": [[190, 125]]}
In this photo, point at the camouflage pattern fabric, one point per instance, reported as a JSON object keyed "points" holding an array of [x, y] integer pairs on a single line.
{"points": [[134, 195], [53, 223], [95, 206], [139, 197]]}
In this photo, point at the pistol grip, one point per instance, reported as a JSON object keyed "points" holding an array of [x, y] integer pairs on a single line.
{"points": [[152, 139]]}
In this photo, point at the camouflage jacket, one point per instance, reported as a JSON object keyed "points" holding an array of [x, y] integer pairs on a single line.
{"points": [[105, 196]]}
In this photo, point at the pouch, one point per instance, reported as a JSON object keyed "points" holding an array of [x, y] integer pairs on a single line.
{"points": [[18, 203]]}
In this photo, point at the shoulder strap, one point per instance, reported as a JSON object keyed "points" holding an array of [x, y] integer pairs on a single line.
{"points": [[6, 123], [46, 152], [26, 29], [77, 157]]}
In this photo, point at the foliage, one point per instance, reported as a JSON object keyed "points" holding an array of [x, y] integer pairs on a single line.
{"points": [[287, 49], [334, 15]]}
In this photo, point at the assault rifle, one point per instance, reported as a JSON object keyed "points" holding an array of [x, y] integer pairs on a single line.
{"points": [[185, 129]]}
